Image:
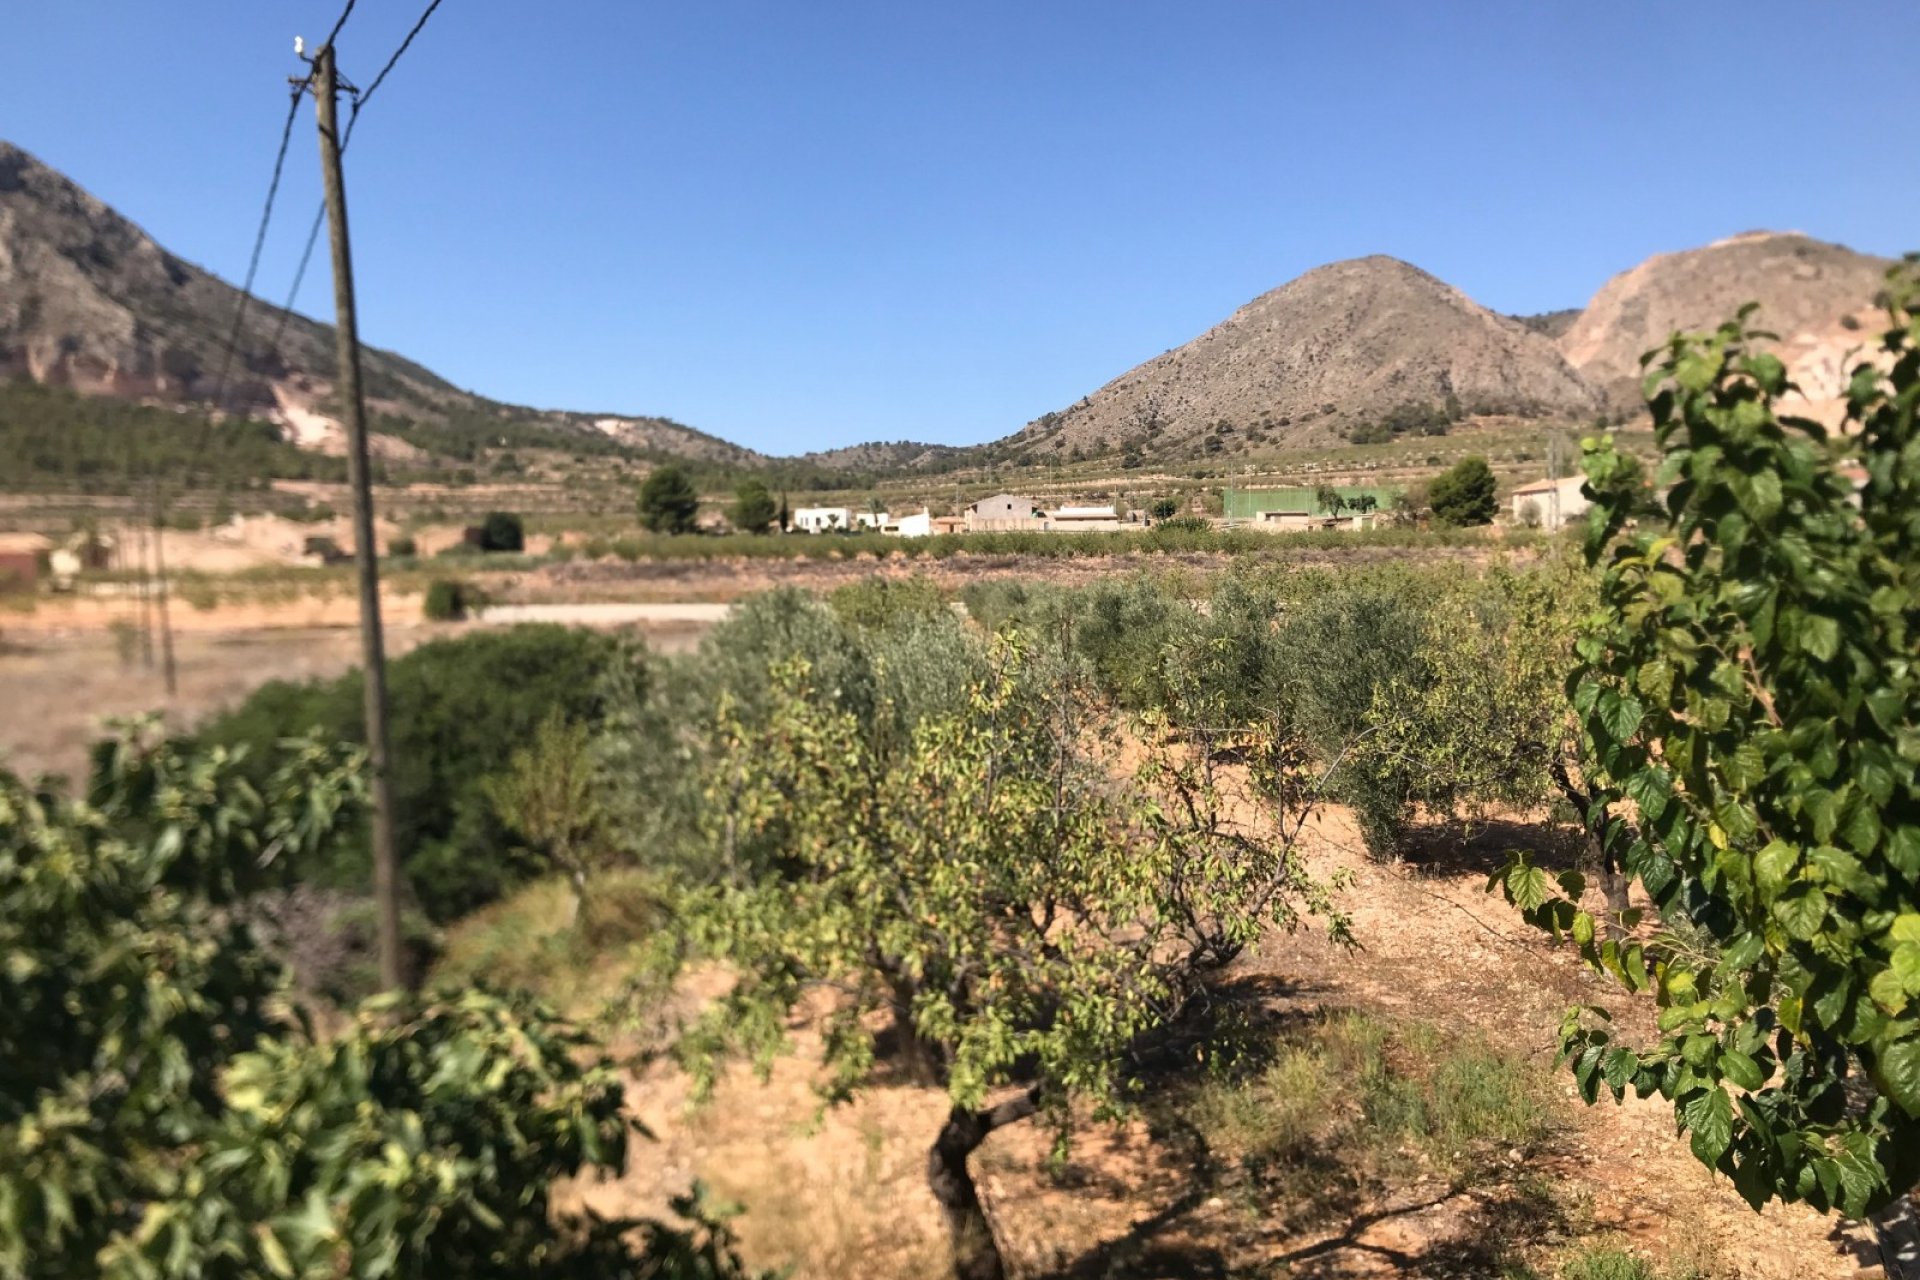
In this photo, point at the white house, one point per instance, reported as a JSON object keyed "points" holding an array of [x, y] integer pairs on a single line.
{"points": [[1076, 519], [1550, 504], [822, 519], [919, 525]]}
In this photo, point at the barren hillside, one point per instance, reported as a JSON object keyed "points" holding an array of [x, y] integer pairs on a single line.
{"points": [[89, 300], [1343, 345], [1817, 296]]}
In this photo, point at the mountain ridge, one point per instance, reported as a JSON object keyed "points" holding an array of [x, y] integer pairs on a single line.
{"points": [[89, 300], [1347, 350]]}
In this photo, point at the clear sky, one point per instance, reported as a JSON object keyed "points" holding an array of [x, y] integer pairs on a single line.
{"points": [[803, 223]]}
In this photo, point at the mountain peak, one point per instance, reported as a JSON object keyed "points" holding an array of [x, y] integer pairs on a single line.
{"points": [[1808, 291], [1340, 346]]}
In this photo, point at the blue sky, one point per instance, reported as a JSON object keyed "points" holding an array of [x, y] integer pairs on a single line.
{"points": [[804, 224]]}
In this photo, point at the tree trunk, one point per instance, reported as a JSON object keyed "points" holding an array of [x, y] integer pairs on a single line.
{"points": [[1595, 818], [1897, 1228], [976, 1255], [577, 908]]}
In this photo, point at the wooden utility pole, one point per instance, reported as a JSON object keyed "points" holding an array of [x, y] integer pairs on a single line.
{"points": [[386, 870], [141, 596], [164, 618]]}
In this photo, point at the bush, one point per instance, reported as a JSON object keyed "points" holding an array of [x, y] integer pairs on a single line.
{"points": [[198, 1128], [754, 508], [450, 600], [1464, 494], [1353, 647], [502, 531], [402, 547], [888, 657], [458, 709], [878, 602]]}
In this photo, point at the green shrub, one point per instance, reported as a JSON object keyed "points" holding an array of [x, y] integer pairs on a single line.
{"points": [[458, 709], [754, 509], [879, 602], [196, 1128], [1464, 494], [502, 531], [450, 600], [402, 547], [1348, 649], [1182, 524]]}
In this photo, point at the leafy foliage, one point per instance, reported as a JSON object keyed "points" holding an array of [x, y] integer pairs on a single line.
{"points": [[547, 794], [1464, 494], [459, 709], [982, 883], [754, 509], [668, 501], [1748, 685], [160, 1118], [1363, 649]]}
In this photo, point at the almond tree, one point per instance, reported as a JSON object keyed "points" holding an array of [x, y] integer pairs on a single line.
{"points": [[1022, 920]]}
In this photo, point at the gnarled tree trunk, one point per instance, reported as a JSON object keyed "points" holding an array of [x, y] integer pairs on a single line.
{"points": [[976, 1254]]}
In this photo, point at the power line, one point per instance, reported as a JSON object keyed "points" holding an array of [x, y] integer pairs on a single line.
{"points": [[339, 23], [253, 262], [361, 98]]}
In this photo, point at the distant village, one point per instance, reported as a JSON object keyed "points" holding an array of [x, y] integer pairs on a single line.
{"points": [[1544, 504]]}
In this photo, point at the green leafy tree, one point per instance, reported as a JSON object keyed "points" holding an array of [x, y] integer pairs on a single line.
{"points": [[1749, 685], [1022, 935], [1463, 494], [1329, 499], [547, 793], [1164, 508], [162, 1119], [754, 508], [668, 501]]}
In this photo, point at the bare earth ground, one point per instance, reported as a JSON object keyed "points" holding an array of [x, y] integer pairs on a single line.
{"points": [[842, 1193], [57, 684]]}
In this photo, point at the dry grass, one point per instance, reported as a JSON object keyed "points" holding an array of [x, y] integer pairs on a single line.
{"points": [[531, 941]]}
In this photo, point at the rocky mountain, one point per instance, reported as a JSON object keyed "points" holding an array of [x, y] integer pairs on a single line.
{"points": [[1818, 297], [1341, 347], [89, 301], [1550, 323], [890, 455]]}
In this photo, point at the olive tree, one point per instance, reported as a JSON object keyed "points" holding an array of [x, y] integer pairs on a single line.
{"points": [[1750, 703], [1022, 919]]}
